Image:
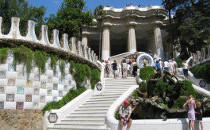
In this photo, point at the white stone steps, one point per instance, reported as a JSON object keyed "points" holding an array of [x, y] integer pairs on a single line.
{"points": [[101, 100], [76, 127], [93, 109], [87, 116], [91, 114], [88, 112], [94, 106]]}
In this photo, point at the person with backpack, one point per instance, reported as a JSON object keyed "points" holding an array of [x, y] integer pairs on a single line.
{"points": [[114, 68]]}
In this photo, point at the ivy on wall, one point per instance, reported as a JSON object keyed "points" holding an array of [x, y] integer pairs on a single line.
{"points": [[23, 55], [40, 59], [3, 54]]}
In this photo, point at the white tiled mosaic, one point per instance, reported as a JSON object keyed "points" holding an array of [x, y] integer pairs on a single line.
{"points": [[17, 91]]}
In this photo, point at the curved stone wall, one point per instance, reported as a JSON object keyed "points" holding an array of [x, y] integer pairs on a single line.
{"points": [[19, 91]]}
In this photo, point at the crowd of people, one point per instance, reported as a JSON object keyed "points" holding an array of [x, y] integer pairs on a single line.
{"points": [[126, 68]]}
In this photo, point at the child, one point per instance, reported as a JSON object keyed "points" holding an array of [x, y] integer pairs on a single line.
{"points": [[199, 113]]}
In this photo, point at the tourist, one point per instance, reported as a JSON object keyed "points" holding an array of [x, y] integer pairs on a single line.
{"points": [[199, 113], [119, 69], [175, 66], [128, 69], [185, 69], [114, 68], [107, 69], [125, 114], [157, 66], [191, 111], [161, 63], [124, 69], [165, 65], [134, 72], [170, 67]]}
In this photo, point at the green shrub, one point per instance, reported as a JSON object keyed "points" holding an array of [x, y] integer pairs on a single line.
{"points": [[95, 77], [69, 96], [160, 88], [179, 62], [143, 87], [40, 59], [62, 68], [53, 61], [117, 115], [135, 94], [178, 103], [87, 71], [3, 54], [79, 74], [23, 55], [202, 71], [147, 73], [187, 88]]}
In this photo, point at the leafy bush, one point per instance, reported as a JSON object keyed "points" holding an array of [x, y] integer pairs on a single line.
{"points": [[23, 55], [178, 103], [147, 73], [62, 68], [187, 88], [95, 77], [202, 71], [160, 88], [40, 59], [53, 62], [3, 54], [79, 74], [179, 62], [135, 94], [143, 87], [69, 96]]}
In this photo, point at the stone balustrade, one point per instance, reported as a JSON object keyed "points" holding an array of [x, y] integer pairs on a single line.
{"points": [[70, 48], [201, 56]]}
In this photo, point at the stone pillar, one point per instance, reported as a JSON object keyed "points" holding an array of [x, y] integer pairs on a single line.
{"points": [[84, 40], [105, 43], [158, 42], [131, 39]]}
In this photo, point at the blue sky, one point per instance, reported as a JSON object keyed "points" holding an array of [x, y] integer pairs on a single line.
{"points": [[53, 5]]}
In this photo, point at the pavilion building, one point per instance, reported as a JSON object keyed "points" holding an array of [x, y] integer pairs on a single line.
{"points": [[129, 29]]}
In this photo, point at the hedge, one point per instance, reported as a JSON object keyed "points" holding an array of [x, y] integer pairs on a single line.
{"points": [[147, 72], [202, 71]]}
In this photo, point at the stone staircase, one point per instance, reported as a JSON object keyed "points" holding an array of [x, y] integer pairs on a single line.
{"points": [[91, 114]]}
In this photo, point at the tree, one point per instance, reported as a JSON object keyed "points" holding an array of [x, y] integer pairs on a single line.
{"points": [[21, 9], [190, 25], [70, 18]]}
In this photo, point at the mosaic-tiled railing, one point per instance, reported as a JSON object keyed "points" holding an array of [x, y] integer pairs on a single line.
{"points": [[70, 48], [201, 56], [19, 91]]}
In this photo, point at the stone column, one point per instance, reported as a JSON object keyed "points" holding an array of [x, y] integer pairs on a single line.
{"points": [[105, 43], [84, 40], [158, 42], [131, 39]]}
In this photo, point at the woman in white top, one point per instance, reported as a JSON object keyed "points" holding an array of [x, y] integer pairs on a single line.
{"points": [[185, 70]]}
